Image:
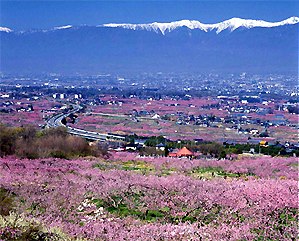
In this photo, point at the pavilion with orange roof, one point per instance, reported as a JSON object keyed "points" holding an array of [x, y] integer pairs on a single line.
{"points": [[184, 152]]}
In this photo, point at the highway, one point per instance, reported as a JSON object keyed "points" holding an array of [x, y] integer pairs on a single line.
{"points": [[56, 121]]}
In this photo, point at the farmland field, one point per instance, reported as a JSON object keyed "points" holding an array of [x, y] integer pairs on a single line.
{"points": [[119, 119]]}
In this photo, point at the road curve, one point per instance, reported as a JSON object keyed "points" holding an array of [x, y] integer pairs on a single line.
{"points": [[56, 121]]}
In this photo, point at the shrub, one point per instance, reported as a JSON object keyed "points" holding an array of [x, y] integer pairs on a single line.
{"points": [[6, 202], [18, 227]]}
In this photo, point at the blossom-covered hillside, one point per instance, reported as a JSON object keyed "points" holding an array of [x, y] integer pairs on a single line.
{"points": [[127, 197]]}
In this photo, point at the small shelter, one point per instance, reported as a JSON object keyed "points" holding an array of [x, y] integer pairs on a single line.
{"points": [[184, 152]]}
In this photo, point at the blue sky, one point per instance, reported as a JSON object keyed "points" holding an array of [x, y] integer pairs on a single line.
{"points": [[21, 15]]}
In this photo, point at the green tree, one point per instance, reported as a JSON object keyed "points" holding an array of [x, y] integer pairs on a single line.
{"points": [[223, 154]]}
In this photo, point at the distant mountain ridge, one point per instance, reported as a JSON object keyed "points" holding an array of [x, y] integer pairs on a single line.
{"points": [[230, 24], [235, 45]]}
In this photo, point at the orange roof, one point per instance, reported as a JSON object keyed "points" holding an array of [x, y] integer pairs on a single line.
{"points": [[184, 152]]}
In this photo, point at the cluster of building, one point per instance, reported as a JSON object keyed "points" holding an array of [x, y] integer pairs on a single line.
{"points": [[10, 106]]}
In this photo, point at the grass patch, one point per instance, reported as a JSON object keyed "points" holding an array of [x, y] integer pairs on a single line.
{"points": [[105, 166], [207, 169]]}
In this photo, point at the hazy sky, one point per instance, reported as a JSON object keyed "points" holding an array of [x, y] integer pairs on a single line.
{"points": [[21, 15]]}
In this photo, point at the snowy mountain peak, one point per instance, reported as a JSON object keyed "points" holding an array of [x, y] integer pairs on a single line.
{"points": [[231, 24], [160, 27], [235, 23], [7, 30], [63, 27]]}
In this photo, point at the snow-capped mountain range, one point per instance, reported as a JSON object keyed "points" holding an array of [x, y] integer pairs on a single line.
{"points": [[234, 45], [231, 24]]}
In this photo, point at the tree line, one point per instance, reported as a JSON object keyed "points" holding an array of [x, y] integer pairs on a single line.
{"points": [[216, 149]]}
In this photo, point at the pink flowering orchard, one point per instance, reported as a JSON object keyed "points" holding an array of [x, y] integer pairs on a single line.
{"points": [[128, 197], [178, 125]]}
